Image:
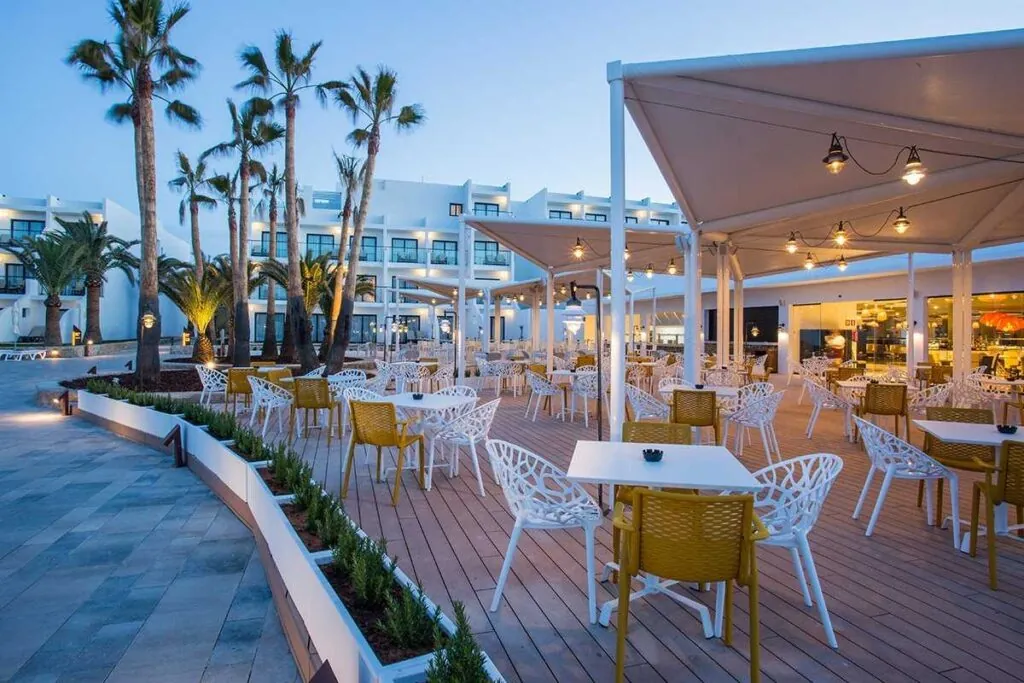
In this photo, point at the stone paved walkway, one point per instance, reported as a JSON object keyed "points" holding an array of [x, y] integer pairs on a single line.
{"points": [[114, 565]]}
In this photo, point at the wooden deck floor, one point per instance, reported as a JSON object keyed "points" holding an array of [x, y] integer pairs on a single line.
{"points": [[905, 605]]}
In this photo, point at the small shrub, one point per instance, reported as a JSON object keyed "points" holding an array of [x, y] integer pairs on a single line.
{"points": [[220, 425], [249, 444], [97, 386], [166, 404], [408, 621], [118, 393], [196, 414], [332, 524], [458, 659], [139, 398], [373, 574]]}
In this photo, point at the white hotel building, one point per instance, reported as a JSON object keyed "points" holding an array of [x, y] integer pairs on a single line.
{"points": [[412, 233]]}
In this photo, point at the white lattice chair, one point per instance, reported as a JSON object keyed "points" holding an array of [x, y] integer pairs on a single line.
{"points": [[645, 406], [540, 496], [897, 459], [559, 363], [444, 376], [758, 413], [315, 372], [213, 382], [789, 504], [760, 369], [967, 392], [811, 368], [895, 374], [937, 395], [823, 399], [510, 374], [268, 397], [720, 377], [584, 386], [468, 429], [349, 394], [337, 383], [541, 388]]}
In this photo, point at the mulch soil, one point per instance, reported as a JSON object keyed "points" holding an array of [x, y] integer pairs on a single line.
{"points": [[170, 381], [268, 479], [186, 360], [298, 520]]}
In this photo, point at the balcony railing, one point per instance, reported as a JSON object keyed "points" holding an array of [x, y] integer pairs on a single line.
{"points": [[444, 257], [371, 254], [317, 249], [501, 257], [408, 255], [11, 236], [73, 290], [482, 211], [262, 250], [12, 285]]}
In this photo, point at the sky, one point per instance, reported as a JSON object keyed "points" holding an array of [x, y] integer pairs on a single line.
{"points": [[513, 91]]}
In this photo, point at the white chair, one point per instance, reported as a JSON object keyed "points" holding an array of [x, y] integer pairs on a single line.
{"points": [[490, 373], [666, 385], [789, 505], [268, 397], [540, 496], [719, 377], [214, 382], [316, 372], [541, 388], [444, 376], [409, 375], [585, 387], [757, 413], [646, 406], [823, 399], [468, 429], [760, 369], [337, 383], [897, 459], [360, 394], [935, 396]]}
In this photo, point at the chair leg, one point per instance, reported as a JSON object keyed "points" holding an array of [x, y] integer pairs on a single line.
{"points": [[798, 570], [591, 588], [920, 493], [819, 596], [399, 464], [529, 399], [423, 464], [767, 447], [939, 486], [990, 522], [476, 469], [814, 418], [348, 466], [878, 503], [954, 505], [510, 553]]}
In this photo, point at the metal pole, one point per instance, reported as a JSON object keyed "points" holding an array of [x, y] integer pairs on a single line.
{"points": [[551, 320], [911, 323], [617, 131]]}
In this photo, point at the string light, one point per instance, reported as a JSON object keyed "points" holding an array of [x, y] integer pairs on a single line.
{"points": [[791, 245], [577, 251], [839, 236], [672, 267], [629, 275], [561, 290], [902, 223], [809, 261], [649, 271], [841, 263], [836, 158], [625, 253], [913, 171], [522, 297]]}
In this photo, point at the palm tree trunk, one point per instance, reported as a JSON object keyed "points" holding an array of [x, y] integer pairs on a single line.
{"points": [[299, 317], [270, 329], [92, 312], [51, 337], [203, 352], [287, 341], [343, 326], [147, 358], [197, 250], [339, 284], [233, 256], [240, 283]]}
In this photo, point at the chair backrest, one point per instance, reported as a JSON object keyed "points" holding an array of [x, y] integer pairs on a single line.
{"points": [[238, 382], [960, 455], [212, 379], [754, 390], [758, 411], [671, 383], [426, 359], [457, 390], [539, 383], [533, 487], [934, 396], [276, 375], [657, 432], [885, 399], [349, 375], [264, 363], [374, 423], [1010, 483], [940, 374], [644, 405], [538, 368], [267, 394], [689, 537], [361, 394], [312, 392], [719, 377], [473, 425], [845, 372], [795, 491], [886, 449], [317, 372], [693, 407], [585, 384], [820, 396], [585, 359]]}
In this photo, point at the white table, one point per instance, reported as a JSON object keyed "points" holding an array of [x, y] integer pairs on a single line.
{"points": [[694, 467], [974, 435], [428, 402], [721, 392]]}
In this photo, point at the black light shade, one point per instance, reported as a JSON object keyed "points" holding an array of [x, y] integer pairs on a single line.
{"points": [[836, 158], [91, 371]]}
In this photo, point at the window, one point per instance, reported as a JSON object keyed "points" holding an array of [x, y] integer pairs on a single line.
{"points": [[412, 322], [659, 221], [280, 293], [596, 217], [14, 279], [445, 252], [318, 323], [281, 245], [76, 288], [368, 296], [631, 219], [260, 323], [485, 209], [20, 229], [404, 250], [454, 209], [319, 244], [488, 254], [367, 248], [559, 214], [330, 201], [364, 329]]}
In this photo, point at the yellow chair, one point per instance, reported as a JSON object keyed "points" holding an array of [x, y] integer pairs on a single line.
{"points": [[264, 364], [238, 385], [960, 456], [670, 359], [1008, 489], [376, 424], [585, 359], [940, 374], [313, 394], [692, 539], [275, 376], [539, 368], [695, 408], [886, 399], [424, 359]]}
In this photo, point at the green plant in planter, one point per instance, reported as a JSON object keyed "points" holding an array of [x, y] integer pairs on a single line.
{"points": [[458, 659], [97, 386], [409, 622], [220, 425], [139, 398], [196, 414], [118, 393], [373, 574], [249, 444], [166, 404], [314, 510], [332, 524]]}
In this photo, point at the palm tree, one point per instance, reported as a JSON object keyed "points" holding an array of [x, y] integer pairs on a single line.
{"points": [[371, 102], [316, 273], [101, 252], [350, 172], [198, 298], [226, 187], [141, 47], [193, 182], [292, 75], [55, 263], [364, 287], [220, 268], [271, 189], [251, 134]]}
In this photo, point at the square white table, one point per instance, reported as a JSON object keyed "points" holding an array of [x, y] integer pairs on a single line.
{"points": [[693, 467]]}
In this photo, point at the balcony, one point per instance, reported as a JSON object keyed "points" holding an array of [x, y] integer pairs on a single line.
{"points": [[317, 250], [500, 258], [409, 256], [10, 237], [369, 254], [489, 211], [76, 289], [12, 285], [444, 257], [261, 249]]}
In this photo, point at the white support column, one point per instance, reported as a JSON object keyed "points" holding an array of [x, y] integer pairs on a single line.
{"points": [[617, 219], [485, 323], [603, 333], [960, 323], [497, 322], [654, 320], [534, 321], [460, 308], [692, 316], [738, 323], [550, 303], [911, 323], [722, 317], [632, 324]]}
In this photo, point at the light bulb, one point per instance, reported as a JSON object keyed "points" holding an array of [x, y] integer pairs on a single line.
{"points": [[625, 253], [629, 275], [791, 245], [914, 170], [672, 267], [836, 158], [841, 263], [561, 290], [522, 297], [649, 271], [840, 236], [902, 223], [809, 261], [577, 251]]}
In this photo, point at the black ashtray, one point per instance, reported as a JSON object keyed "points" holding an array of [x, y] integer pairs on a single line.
{"points": [[698, 386], [417, 397], [653, 454], [1006, 429], [872, 381]]}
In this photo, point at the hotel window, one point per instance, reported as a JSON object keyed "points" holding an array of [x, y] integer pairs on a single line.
{"points": [[489, 254], [368, 297], [412, 323], [659, 221], [281, 247], [632, 219], [318, 323], [596, 217], [318, 245], [485, 209], [367, 248], [14, 279], [445, 252], [454, 209], [330, 201], [20, 229], [404, 250], [260, 324], [559, 214], [364, 328], [280, 293]]}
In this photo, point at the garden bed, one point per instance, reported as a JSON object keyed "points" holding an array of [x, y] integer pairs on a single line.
{"points": [[171, 381]]}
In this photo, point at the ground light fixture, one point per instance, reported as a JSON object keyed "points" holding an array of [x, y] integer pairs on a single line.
{"points": [[809, 261], [577, 250], [672, 270], [649, 271], [836, 158], [901, 224], [791, 245], [913, 171]]}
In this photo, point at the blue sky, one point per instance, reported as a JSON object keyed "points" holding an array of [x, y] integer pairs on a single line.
{"points": [[514, 91]]}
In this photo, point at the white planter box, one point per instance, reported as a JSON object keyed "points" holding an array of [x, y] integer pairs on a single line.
{"points": [[140, 418], [223, 462]]}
